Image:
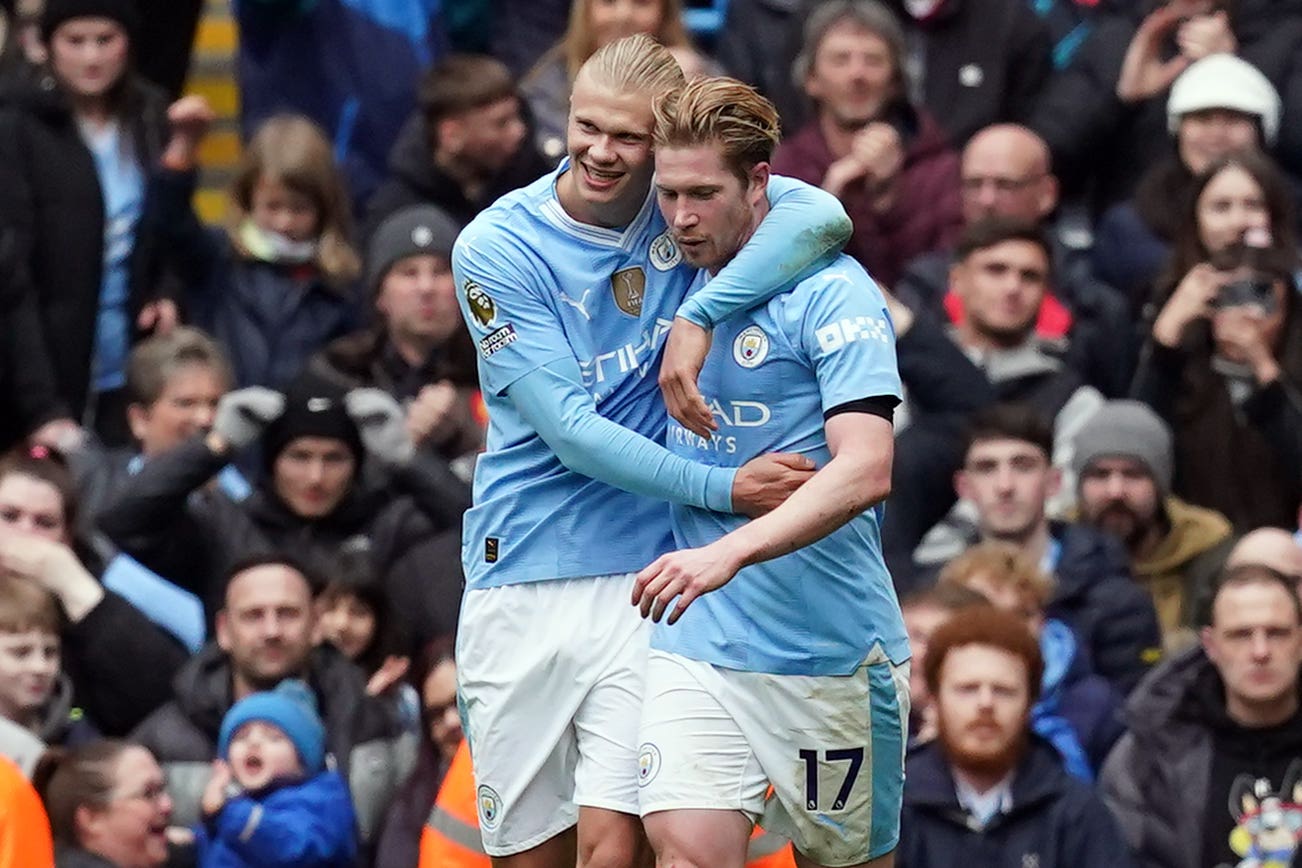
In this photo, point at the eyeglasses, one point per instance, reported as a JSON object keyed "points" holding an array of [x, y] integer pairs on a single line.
{"points": [[1001, 185], [153, 792]]}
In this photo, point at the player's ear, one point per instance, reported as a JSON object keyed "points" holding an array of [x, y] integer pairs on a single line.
{"points": [[759, 182]]}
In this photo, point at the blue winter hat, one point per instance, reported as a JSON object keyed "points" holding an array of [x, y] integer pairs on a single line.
{"points": [[291, 708]]}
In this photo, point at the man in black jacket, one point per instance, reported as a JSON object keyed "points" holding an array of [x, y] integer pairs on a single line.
{"points": [[1216, 736], [419, 350], [1006, 172], [466, 146], [264, 635], [987, 793]]}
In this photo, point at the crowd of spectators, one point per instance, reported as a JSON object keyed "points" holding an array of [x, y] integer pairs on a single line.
{"points": [[234, 459]]}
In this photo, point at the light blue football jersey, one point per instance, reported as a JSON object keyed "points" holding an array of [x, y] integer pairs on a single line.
{"points": [[536, 286], [770, 375]]}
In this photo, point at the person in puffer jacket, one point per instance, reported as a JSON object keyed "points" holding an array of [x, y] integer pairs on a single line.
{"points": [[271, 800]]}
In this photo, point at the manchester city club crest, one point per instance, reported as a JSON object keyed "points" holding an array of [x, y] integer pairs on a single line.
{"points": [[628, 285], [751, 347], [482, 307], [648, 764], [490, 807], [664, 252]]}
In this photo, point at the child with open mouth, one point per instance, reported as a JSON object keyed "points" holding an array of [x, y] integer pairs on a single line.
{"points": [[271, 800]]}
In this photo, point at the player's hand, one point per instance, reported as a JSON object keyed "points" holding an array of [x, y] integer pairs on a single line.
{"points": [[764, 483], [685, 351], [684, 575]]}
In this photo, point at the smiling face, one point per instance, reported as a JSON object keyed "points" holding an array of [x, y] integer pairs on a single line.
{"points": [[609, 143], [852, 77], [709, 210], [1207, 135], [130, 831], [261, 753], [1229, 205], [29, 667]]}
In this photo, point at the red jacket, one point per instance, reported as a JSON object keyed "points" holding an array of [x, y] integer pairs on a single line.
{"points": [[926, 215]]}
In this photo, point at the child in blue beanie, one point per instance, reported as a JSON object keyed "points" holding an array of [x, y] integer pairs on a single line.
{"points": [[271, 800]]}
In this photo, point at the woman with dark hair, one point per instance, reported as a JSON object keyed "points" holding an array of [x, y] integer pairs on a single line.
{"points": [[1223, 359], [78, 142], [1221, 104], [108, 806], [435, 676]]}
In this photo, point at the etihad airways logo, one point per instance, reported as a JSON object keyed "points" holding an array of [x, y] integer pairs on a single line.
{"points": [[608, 366], [731, 414]]}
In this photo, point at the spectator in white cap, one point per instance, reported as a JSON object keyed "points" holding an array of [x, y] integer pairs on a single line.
{"points": [[1123, 462], [418, 350], [1220, 105]]}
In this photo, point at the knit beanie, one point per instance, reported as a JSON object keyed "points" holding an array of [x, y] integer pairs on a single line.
{"points": [[417, 230], [1223, 81], [291, 708], [56, 12], [1127, 429], [314, 407]]}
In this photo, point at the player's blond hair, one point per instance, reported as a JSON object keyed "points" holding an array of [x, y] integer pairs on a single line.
{"points": [[1004, 566], [634, 64], [724, 112]]}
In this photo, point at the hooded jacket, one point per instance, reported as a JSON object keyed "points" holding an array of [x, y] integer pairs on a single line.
{"points": [[1179, 572], [413, 539], [362, 734], [926, 212], [1055, 821], [52, 204], [414, 178], [1158, 780]]}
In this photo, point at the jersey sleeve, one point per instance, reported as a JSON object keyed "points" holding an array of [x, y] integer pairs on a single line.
{"points": [[804, 230], [847, 335], [504, 302], [553, 401]]}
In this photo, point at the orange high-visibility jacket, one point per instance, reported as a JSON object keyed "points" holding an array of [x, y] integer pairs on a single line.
{"points": [[24, 829], [451, 835]]}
